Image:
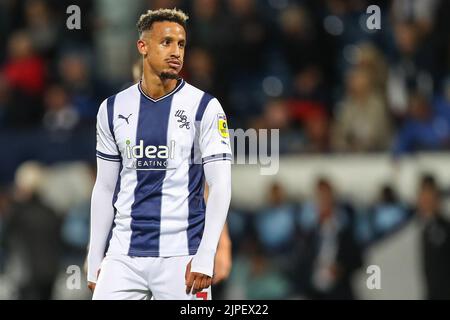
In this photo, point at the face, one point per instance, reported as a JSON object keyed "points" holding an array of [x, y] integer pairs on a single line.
{"points": [[428, 202], [406, 38], [358, 82], [276, 194], [163, 49], [325, 200], [419, 108]]}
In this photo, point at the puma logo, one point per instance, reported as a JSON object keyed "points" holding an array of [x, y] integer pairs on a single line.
{"points": [[125, 118]]}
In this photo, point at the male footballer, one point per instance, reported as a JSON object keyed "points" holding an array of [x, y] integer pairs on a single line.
{"points": [[157, 143]]}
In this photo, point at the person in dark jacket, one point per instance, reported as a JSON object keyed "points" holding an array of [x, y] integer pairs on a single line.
{"points": [[435, 240], [32, 232], [328, 250]]}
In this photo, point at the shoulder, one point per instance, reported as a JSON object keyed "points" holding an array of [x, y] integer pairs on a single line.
{"points": [[131, 90], [201, 95], [128, 92], [203, 101]]}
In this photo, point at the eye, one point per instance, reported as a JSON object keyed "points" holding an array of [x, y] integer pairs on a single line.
{"points": [[181, 44], [166, 42]]}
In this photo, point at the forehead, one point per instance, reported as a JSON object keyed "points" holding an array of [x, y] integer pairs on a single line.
{"points": [[161, 29]]}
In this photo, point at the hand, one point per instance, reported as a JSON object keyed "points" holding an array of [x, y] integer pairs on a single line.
{"points": [[196, 281], [91, 285]]}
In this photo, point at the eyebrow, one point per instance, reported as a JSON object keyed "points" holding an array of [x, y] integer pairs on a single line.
{"points": [[172, 38]]}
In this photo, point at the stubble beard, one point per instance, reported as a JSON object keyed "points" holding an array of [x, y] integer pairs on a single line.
{"points": [[169, 75]]}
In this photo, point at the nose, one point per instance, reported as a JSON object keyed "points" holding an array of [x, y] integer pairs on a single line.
{"points": [[176, 52]]}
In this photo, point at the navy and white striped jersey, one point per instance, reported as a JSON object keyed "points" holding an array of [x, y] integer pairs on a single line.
{"points": [[162, 145]]}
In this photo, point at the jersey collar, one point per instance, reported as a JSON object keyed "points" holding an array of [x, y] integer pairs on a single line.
{"points": [[180, 85]]}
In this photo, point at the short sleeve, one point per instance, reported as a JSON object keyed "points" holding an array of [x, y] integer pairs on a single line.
{"points": [[106, 144], [214, 134]]}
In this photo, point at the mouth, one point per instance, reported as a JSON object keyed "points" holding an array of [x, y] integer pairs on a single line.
{"points": [[174, 64]]}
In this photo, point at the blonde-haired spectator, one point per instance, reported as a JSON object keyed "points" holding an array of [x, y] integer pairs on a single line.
{"points": [[362, 121]]}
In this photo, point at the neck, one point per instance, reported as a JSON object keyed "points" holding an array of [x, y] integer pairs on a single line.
{"points": [[156, 87]]}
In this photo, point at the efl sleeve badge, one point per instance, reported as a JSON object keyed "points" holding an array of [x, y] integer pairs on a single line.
{"points": [[222, 125]]}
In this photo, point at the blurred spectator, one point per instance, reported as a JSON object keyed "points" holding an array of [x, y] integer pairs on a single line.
{"points": [[209, 33], [208, 26], [435, 240], [200, 69], [245, 56], [423, 129], [5, 26], [254, 275], [239, 226], [24, 76], [85, 93], [277, 116], [24, 69], [362, 121], [421, 12], [441, 41], [328, 250], [59, 113], [345, 22], [309, 87], [41, 26], [115, 38], [250, 34], [275, 225], [317, 134], [301, 42], [386, 216], [32, 233], [75, 228], [409, 68], [309, 108], [441, 102], [370, 58]]}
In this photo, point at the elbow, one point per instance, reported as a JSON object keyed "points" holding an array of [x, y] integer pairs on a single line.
{"points": [[103, 188], [222, 188]]}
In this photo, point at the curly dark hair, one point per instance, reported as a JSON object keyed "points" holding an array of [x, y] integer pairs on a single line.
{"points": [[147, 19]]}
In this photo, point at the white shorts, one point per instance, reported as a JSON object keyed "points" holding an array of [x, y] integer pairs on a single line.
{"points": [[140, 278]]}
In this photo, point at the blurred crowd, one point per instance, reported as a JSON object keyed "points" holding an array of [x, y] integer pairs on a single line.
{"points": [[309, 68], [290, 248], [313, 248]]}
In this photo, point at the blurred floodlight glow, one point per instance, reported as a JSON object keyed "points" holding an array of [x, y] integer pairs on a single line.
{"points": [[333, 25], [351, 53], [272, 86]]}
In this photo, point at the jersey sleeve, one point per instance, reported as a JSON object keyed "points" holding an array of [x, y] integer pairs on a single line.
{"points": [[106, 145], [214, 134]]}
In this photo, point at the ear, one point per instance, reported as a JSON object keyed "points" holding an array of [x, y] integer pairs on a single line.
{"points": [[142, 47]]}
